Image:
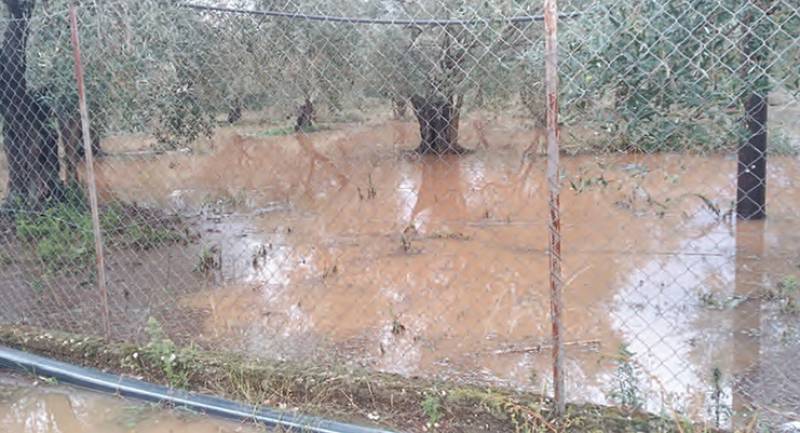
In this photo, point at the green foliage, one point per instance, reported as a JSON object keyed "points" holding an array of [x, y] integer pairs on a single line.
{"points": [[432, 406], [658, 99], [208, 260], [780, 144], [149, 73], [5, 259], [63, 239], [789, 285], [669, 75], [289, 130], [785, 294], [480, 62], [61, 235], [656, 75], [37, 285], [719, 408], [526, 417], [626, 390], [181, 118], [161, 351], [277, 132]]}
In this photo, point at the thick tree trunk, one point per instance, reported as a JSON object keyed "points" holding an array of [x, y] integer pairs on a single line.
{"points": [[305, 117], [235, 113], [438, 120], [30, 141], [71, 135]]}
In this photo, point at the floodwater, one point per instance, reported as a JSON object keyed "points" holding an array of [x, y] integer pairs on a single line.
{"points": [[40, 408], [340, 246]]}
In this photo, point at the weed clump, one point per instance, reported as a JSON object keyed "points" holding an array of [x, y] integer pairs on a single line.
{"points": [[161, 352], [785, 294], [209, 259], [432, 407], [62, 235], [627, 391]]}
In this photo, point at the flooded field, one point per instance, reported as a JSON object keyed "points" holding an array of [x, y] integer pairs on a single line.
{"points": [[341, 246], [27, 407]]}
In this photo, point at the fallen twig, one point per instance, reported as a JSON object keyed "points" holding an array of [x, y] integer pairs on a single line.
{"points": [[589, 345]]}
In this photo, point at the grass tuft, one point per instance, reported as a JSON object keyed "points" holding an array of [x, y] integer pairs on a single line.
{"points": [[62, 235]]}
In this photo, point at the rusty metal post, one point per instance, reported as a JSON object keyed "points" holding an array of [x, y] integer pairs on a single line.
{"points": [[90, 178], [553, 186]]}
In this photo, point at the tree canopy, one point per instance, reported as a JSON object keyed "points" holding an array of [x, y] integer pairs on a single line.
{"points": [[656, 74]]}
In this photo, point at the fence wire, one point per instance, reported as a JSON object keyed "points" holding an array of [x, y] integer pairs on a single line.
{"points": [[371, 190]]}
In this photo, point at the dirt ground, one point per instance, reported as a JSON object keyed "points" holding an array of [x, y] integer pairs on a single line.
{"points": [[344, 247]]}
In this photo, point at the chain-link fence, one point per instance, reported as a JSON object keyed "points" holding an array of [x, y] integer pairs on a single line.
{"points": [[363, 183]]}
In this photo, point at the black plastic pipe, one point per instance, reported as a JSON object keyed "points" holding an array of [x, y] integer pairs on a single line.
{"points": [[140, 390]]}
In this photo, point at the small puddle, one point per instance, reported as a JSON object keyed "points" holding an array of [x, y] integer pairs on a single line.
{"points": [[26, 407]]}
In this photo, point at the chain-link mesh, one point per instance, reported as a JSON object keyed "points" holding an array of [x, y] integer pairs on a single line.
{"points": [[364, 183]]}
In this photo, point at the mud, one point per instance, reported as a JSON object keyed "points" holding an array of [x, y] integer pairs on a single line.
{"points": [[342, 245], [27, 407]]}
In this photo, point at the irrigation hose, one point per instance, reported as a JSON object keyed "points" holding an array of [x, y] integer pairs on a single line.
{"points": [[140, 390]]}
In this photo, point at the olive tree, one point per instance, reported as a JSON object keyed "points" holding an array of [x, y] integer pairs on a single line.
{"points": [[670, 75], [29, 138], [437, 67]]}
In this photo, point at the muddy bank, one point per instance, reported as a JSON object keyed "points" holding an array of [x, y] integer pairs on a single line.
{"points": [[405, 404]]}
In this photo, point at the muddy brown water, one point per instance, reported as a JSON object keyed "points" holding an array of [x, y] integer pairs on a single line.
{"points": [[342, 246], [27, 407]]}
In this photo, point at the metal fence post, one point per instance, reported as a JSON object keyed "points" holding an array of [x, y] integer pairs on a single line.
{"points": [[90, 178], [752, 155], [554, 227]]}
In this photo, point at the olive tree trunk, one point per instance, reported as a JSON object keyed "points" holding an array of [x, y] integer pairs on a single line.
{"points": [[30, 141], [438, 119]]}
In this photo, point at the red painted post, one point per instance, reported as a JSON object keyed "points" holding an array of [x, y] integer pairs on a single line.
{"points": [[90, 178], [553, 186]]}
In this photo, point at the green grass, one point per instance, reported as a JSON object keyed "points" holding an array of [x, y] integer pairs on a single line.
{"points": [[786, 293], [626, 392], [288, 130], [62, 237], [780, 144], [432, 406], [175, 363], [162, 351]]}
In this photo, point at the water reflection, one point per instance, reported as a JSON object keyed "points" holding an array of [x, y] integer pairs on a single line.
{"points": [[26, 408], [463, 293], [749, 287], [440, 198]]}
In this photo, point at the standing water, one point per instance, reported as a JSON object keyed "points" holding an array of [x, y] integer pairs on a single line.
{"points": [[36, 407], [340, 247]]}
